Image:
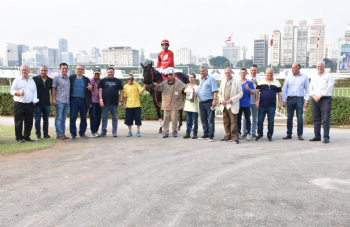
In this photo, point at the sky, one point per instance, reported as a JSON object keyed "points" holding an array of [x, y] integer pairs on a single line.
{"points": [[202, 26]]}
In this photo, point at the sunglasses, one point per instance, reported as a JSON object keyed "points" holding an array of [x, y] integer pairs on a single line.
{"points": [[131, 79], [44, 85]]}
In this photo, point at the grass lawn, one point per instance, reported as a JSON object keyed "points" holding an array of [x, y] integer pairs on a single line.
{"points": [[8, 143]]}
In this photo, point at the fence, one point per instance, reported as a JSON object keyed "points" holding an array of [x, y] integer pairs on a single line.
{"points": [[5, 89]]}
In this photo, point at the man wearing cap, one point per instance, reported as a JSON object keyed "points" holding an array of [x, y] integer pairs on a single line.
{"points": [[80, 101], [95, 110], [132, 104], [171, 101], [165, 59]]}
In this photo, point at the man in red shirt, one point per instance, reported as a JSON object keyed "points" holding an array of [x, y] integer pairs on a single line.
{"points": [[165, 59]]}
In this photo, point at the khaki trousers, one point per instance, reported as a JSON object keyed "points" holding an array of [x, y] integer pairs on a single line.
{"points": [[170, 116], [230, 125]]}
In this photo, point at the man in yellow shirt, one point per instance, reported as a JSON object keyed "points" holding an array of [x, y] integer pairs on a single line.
{"points": [[132, 104]]}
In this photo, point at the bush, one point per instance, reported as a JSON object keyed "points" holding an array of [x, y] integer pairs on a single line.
{"points": [[340, 113]]}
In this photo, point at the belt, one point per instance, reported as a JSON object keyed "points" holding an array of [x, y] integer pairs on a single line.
{"points": [[77, 98], [294, 97], [325, 97], [209, 100], [24, 103]]}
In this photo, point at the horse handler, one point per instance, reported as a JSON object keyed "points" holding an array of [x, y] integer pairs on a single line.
{"points": [[171, 101], [132, 104]]}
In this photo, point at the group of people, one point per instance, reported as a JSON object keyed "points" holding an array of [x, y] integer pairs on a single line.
{"points": [[99, 96], [239, 99]]}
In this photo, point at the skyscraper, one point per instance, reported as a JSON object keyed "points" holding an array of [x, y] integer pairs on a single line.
{"points": [[347, 35], [261, 50], [232, 53], [328, 48], [120, 56], [11, 55], [183, 56], [21, 49], [317, 38], [95, 52], [288, 43], [33, 58], [276, 48], [67, 57], [302, 38], [62, 47]]}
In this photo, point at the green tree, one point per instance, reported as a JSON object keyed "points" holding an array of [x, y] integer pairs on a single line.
{"points": [[248, 63], [219, 61]]}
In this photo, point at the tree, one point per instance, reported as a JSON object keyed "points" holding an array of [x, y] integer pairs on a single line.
{"points": [[248, 63], [218, 61]]}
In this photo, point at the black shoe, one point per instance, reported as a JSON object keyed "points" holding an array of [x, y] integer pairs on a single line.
{"points": [[29, 139], [20, 141], [211, 139], [165, 136], [287, 137], [314, 139], [186, 136], [174, 135], [38, 137], [258, 138], [300, 138], [236, 141], [194, 137], [204, 137], [225, 140], [47, 137], [269, 138], [326, 140]]}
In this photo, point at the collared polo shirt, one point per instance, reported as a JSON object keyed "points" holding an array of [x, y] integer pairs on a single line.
{"points": [[207, 88], [43, 90], [268, 92]]}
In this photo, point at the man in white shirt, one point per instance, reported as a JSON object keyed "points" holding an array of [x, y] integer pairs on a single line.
{"points": [[321, 88], [24, 94]]}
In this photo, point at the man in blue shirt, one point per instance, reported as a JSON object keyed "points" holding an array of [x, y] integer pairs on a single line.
{"points": [[295, 87], [109, 95], [80, 101], [207, 92]]}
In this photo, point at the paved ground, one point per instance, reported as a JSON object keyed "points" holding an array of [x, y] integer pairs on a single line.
{"points": [[150, 181]]}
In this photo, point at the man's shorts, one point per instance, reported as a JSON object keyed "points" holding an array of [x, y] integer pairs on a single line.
{"points": [[132, 114]]}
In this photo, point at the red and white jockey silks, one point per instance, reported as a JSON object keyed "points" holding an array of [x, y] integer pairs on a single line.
{"points": [[165, 59]]}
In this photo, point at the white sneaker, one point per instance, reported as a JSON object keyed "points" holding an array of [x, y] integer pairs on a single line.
{"points": [[93, 135], [249, 137]]}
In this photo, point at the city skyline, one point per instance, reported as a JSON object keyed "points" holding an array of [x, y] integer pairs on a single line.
{"points": [[205, 35]]}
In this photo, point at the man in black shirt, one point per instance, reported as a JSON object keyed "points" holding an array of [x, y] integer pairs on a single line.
{"points": [[109, 94], [44, 88]]}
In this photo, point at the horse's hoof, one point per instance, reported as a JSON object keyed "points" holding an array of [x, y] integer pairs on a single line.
{"points": [[160, 130]]}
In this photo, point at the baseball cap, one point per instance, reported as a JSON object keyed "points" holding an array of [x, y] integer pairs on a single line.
{"points": [[170, 71], [97, 70]]}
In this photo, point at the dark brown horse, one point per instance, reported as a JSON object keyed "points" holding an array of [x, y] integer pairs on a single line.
{"points": [[151, 75]]}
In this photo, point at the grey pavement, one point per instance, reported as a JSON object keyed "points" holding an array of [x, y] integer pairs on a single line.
{"points": [[151, 181]]}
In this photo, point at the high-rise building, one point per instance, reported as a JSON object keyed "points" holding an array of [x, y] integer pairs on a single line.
{"points": [[11, 55], [95, 52], [183, 56], [50, 55], [232, 53], [276, 48], [261, 50], [347, 35], [328, 48], [317, 39], [153, 55], [120, 56], [287, 49], [21, 49], [1, 61], [193, 59], [62, 47], [33, 58], [67, 57], [301, 38]]}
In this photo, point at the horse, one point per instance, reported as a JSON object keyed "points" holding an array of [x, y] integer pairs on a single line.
{"points": [[151, 75]]}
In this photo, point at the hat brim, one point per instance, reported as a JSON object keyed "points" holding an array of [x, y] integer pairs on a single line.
{"points": [[97, 72]]}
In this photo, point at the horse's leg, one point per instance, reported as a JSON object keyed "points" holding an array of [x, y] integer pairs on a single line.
{"points": [[180, 119], [159, 116]]}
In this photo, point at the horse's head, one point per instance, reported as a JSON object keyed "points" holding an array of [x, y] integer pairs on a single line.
{"points": [[150, 75]]}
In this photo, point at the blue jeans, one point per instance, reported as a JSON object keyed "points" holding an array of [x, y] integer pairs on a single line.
{"points": [[254, 120], [45, 110], [95, 117], [76, 106], [60, 118], [192, 117], [105, 113], [296, 104], [270, 111], [207, 118]]}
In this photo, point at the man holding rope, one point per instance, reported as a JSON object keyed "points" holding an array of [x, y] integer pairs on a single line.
{"points": [[171, 101]]}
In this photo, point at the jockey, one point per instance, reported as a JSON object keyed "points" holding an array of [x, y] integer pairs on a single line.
{"points": [[165, 60]]}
